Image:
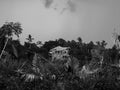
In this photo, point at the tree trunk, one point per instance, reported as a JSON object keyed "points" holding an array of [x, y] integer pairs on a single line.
{"points": [[4, 47]]}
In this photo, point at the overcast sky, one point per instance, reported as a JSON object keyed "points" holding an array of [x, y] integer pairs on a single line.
{"points": [[92, 20]]}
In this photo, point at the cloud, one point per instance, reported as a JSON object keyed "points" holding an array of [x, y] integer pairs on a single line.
{"points": [[48, 3], [72, 6], [62, 5]]}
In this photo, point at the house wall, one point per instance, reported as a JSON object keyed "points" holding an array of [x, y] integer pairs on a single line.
{"points": [[59, 54]]}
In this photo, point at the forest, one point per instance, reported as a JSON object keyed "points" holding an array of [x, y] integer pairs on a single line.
{"points": [[90, 66]]}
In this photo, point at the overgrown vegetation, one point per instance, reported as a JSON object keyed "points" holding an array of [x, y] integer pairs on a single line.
{"points": [[18, 72]]}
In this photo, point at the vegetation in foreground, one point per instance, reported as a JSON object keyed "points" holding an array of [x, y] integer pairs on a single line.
{"points": [[17, 71]]}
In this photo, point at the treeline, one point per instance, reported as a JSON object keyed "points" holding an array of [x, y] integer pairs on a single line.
{"points": [[78, 48]]}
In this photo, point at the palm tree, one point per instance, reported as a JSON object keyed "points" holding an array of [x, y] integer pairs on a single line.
{"points": [[79, 39], [29, 38], [7, 31]]}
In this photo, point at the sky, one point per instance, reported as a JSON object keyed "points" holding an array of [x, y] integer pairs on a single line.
{"points": [[92, 20]]}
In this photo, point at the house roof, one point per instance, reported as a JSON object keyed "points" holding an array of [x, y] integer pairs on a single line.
{"points": [[59, 48]]}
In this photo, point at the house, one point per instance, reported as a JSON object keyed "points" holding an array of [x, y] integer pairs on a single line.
{"points": [[59, 53]]}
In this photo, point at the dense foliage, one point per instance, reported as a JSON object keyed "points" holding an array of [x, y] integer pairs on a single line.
{"points": [[29, 66]]}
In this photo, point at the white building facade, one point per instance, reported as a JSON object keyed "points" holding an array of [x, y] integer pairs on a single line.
{"points": [[59, 53]]}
